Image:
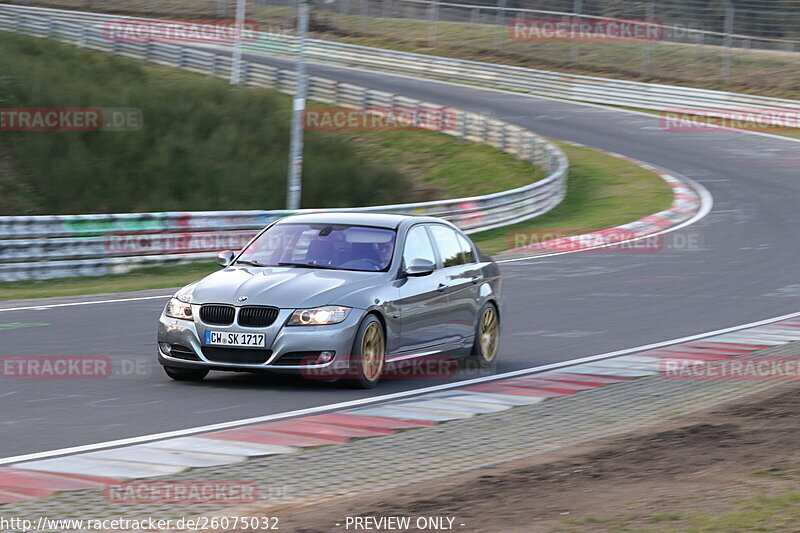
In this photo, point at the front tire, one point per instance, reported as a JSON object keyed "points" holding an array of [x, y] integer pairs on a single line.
{"points": [[186, 374], [369, 354], [487, 337]]}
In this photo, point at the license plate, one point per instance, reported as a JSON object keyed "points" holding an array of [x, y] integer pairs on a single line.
{"points": [[229, 338]]}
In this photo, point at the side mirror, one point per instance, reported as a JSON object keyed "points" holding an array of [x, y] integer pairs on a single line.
{"points": [[420, 267], [225, 258]]}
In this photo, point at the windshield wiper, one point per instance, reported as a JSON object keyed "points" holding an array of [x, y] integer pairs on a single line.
{"points": [[306, 265], [251, 263]]}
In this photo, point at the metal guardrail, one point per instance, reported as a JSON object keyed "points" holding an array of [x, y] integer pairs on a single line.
{"points": [[554, 84], [79, 245]]}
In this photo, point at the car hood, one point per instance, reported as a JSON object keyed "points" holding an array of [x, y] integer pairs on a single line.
{"points": [[285, 287]]}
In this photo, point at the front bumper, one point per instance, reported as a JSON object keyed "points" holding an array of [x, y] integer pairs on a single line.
{"points": [[280, 340]]}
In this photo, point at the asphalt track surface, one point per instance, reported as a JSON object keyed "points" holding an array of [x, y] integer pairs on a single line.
{"points": [[741, 268]]}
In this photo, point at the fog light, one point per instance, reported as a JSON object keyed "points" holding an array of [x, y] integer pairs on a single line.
{"points": [[165, 348], [325, 357]]}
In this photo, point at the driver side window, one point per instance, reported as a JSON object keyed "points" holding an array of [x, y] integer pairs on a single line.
{"points": [[418, 246]]}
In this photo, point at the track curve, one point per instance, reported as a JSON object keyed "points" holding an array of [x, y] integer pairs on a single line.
{"points": [[557, 308]]}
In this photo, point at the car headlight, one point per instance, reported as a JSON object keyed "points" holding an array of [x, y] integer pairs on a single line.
{"points": [[179, 309], [319, 316]]}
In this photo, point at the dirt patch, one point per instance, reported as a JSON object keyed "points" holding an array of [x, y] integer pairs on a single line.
{"points": [[680, 476]]}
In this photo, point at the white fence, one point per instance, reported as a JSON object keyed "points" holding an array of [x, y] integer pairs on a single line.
{"points": [[45, 247], [555, 84]]}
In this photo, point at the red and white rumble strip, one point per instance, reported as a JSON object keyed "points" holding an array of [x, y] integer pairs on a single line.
{"points": [[107, 468], [687, 202]]}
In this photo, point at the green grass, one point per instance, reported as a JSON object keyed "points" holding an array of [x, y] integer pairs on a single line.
{"points": [[443, 167], [603, 192], [762, 513], [205, 146], [140, 279], [769, 513]]}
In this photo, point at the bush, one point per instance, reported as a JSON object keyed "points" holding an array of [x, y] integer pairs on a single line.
{"points": [[204, 145]]}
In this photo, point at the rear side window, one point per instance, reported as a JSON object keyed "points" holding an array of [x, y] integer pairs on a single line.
{"points": [[447, 243], [418, 246], [466, 248]]}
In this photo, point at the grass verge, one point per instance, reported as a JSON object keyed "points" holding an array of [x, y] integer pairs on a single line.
{"points": [[603, 192], [140, 279]]}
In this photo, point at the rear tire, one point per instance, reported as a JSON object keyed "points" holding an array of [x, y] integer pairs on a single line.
{"points": [[369, 354], [487, 337], [186, 374]]}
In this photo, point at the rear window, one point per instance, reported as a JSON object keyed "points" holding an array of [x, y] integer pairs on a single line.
{"points": [[447, 243], [466, 248]]}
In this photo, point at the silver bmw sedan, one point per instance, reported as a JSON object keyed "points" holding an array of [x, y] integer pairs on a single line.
{"points": [[340, 295]]}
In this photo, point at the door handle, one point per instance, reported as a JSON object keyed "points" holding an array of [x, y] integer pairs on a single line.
{"points": [[441, 287]]}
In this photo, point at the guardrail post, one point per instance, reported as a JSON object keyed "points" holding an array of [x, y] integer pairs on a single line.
{"points": [[245, 79], [281, 80], [363, 24], [82, 40], [532, 148], [464, 125], [485, 130], [577, 8], [365, 98], [728, 41], [433, 21], [182, 57], [500, 22], [503, 136], [647, 51]]}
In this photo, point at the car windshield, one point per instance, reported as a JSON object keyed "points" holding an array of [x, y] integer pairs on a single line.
{"points": [[324, 246]]}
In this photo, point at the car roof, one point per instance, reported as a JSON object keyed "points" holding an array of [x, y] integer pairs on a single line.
{"points": [[380, 220]]}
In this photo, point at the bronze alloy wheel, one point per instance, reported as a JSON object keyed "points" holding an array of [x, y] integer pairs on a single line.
{"points": [[489, 333], [372, 351]]}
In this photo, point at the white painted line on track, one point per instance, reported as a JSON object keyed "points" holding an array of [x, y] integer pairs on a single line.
{"points": [[90, 302], [377, 399]]}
